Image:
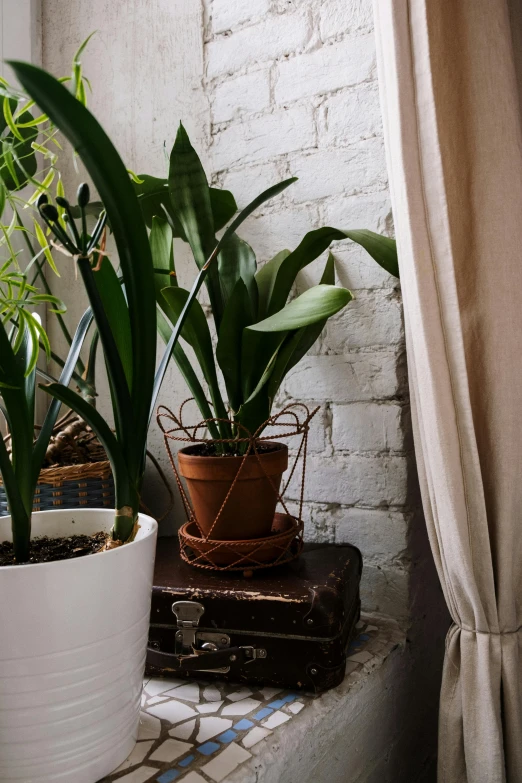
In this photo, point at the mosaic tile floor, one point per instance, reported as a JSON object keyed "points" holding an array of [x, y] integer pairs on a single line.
{"points": [[200, 732]]}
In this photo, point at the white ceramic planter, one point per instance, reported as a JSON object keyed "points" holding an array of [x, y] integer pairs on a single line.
{"points": [[73, 637]]}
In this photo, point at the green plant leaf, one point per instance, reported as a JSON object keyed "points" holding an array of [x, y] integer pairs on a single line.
{"points": [[161, 247], [316, 304], [237, 260], [115, 306], [15, 173], [382, 249], [237, 316], [223, 205], [190, 377], [265, 196], [112, 181], [190, 199], [196, 332], [265, 280]]}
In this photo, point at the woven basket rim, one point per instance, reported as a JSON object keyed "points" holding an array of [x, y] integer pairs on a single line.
{"points": [[87, 470]]}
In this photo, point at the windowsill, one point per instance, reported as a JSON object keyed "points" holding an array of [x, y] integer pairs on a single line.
{"points": [[218, 732]]}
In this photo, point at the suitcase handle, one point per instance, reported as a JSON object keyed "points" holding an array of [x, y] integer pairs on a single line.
{"points": [[202, 661]]}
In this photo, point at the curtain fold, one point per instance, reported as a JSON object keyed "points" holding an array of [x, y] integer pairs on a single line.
{"points": [[450, 86]]}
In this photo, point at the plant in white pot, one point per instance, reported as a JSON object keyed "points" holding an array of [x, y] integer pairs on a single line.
{"points": [[74, 632]]}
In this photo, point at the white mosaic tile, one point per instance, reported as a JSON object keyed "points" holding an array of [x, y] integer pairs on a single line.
{"points": [[276, 719], [242, 707], [157, 699], [155, 686], [238, 695], [173, 711], [136, 757], [170, 750], [269, 693], [212, 706], [210, 727], [184, 730], [371, 628], [361, 657], [150, 727], [219, 767], [296, 707], [188, 692], [255, 735], [211, 693], [193, 777], [139, 775]]}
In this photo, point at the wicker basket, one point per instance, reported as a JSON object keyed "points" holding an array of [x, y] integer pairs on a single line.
{"points": [[72, 486]]}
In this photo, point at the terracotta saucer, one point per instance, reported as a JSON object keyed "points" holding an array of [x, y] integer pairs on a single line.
{"points": [[241, 555]]}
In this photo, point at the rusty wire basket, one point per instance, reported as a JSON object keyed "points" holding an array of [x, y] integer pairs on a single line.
{"points": [[285, 542]]}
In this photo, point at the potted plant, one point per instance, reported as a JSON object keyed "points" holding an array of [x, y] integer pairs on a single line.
{"points": [[74, 632], [261, 335]]}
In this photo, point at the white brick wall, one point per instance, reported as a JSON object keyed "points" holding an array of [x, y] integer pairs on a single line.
{"points": [[292, 91]]}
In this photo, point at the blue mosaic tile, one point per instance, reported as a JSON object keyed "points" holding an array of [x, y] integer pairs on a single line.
{"points": [[364, 637], [290, 697], [208, 748], [243, 725], [186, 761], [278, 703], [169, 776], [227, 736], [264, 713]]}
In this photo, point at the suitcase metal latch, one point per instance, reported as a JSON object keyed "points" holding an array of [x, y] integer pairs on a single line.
{"points": [[187, 614]]}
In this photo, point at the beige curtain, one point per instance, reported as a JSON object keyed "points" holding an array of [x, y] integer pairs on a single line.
{"points": [[450, 98]]}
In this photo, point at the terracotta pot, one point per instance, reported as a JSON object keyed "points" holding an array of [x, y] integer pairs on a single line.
{"points": [[250, 508]]}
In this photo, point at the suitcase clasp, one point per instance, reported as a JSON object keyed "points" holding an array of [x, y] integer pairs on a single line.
{"points": [[187, 614]]}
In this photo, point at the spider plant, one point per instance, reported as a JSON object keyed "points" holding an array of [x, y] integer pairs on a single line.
{"points": [[125, 318]]}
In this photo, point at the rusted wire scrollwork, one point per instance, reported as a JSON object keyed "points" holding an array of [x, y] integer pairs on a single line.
{"points": [[286, 541]]}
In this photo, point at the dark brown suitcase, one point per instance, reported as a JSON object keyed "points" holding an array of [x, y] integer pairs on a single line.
{"points": [[288, 626]]}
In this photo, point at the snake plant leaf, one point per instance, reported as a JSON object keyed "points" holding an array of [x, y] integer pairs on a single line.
{"points": [[162, 251], [111, 179], [223, 205], [115, 306], [238, 220], [298, 343], [382, 249], [154, 200], [236, 261], [196, 332], [265, 279], [237, 316], [190, 199], [254, 412], [190, 377], [316, 304]]}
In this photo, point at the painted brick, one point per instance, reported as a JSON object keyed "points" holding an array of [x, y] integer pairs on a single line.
{"points": [[372, 318], [352, 115], [349, 378], [327, 69], [230, 13], [352, 480], [248, 181], [380, 535], [367, 426], [331, 172], [263, 138], [345, 16], [275, 231], [274, 37], [246, 94], [385, 590]]}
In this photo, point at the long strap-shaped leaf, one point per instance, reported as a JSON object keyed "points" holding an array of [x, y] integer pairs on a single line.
{"points": [[65, 377], [382, 249], [111, 179], [265, 196]]}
